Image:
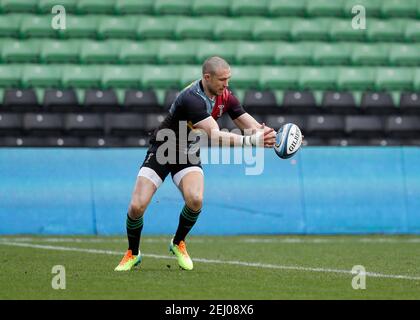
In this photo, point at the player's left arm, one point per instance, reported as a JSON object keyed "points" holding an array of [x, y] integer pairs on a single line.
{"points": [[246, 121]]}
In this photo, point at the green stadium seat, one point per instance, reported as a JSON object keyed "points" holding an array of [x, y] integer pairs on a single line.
{"points": [[120, 93], [342, 30], [418, 9], [384, 30], [357, 95], [373, 7], [176, 52], [224, 49], [134, 6], [98, 51], [24, 6], [45, 6], [240, 94], [10, 25], [324, 8], [139, 52], [121, 77], [188, 74], [394, 79], [10, 75], [117, 27], [404, 54], [58, 51], [255, 53], [182, 7], [80, 76], [80, 26], [5, 42], [41, 76], [290, 53], [278, 78], [272, 29], [412, 30], [233, 28], [160, 77], [317, 78], [160, 95], [286, 8], [194, 28], [331, 53], [18, 51], [37, 26], [310, 29], [355, 78], [396, 97], [279, 94], [210, 7], [150, 27], [416, 79], [248, 7], [369, 54], [397, 8], [95, 6], [245, 77], [80, 94]]}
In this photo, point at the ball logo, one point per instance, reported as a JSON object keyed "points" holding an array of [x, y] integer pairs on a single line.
{"points": [[288, 140], [294, 142]]}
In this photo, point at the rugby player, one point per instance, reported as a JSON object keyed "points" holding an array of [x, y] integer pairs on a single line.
{"points": [[197, 107]]}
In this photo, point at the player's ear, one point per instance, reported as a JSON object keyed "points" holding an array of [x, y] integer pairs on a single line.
{"points": [[206, 76]]}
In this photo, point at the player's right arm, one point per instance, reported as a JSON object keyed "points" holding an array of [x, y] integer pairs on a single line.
{"points": [[217, 137]]}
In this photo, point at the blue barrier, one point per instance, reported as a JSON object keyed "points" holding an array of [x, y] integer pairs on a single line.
{"points": [[322, 190]]}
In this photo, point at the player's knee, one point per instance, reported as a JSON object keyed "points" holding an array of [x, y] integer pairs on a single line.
{"points": [[137, 209], [194, 201]]}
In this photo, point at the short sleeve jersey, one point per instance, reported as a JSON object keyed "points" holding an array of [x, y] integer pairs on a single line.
{"points": [[192, 106]]}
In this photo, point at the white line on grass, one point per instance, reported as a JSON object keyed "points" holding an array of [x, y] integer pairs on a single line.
{"points": [[238, 263], [321, 240], [88, 240], [250, 240]]}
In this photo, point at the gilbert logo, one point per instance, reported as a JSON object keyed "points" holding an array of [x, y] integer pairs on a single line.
{"points": [[294, 142]]}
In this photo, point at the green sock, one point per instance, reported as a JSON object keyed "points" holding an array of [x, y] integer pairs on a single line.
{"points": [[134, 227], [187, 220]]}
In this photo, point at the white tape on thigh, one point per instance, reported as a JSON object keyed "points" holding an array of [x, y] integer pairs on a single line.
{"points": [[179, 175], [151, 175]]}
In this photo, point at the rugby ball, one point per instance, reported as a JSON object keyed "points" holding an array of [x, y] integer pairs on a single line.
{"points": [[288, 140]]}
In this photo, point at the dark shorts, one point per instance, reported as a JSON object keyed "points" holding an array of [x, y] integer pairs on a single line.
{"points": [[157, 172]]}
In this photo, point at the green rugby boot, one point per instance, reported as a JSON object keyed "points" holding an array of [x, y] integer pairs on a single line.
{"points": [[128, 261], [181, 253]]}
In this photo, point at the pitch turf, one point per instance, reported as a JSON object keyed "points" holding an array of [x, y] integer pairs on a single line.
{"points": [[242, 267]]}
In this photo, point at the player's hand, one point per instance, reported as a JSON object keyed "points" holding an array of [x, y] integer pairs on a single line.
{"points": [[269, 136]]}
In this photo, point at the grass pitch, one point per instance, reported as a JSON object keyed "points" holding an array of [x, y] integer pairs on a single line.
{"points": [[238, 267]]}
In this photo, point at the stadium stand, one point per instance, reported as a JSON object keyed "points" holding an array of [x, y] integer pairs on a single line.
{"points": [[119, 64]]}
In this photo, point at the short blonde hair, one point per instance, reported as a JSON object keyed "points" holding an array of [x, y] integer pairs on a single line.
{"points": [[214, 63]]}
